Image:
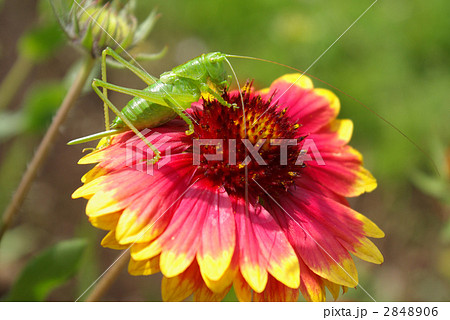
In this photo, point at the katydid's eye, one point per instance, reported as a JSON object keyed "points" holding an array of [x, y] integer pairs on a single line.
{"points": [[215, 58]]}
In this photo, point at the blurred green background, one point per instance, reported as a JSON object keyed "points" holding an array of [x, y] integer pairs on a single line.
{"points": [[396, 60]]}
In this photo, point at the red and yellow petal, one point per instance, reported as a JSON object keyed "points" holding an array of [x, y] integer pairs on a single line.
{"points": [[343, 129], [311, 285], [105, 193], [182, 240], [144, 268], [328, 259], [312, 108], [349, 227], [242, 288], [341, 171], [226, 280], [149, 214], [365, 250], [335, 135], [145, 250], [204, 294], [275, 291], [105, 222], [331, 213], [318, 248], [89, 188], [333, 288], [181, 286], [322, 232], [110, 241], [263, 247], [218, 236], [251, 262], [190, 282]]}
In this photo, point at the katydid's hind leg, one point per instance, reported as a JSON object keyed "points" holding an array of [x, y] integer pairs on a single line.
{"points": [[142, 74], [127, 122], [182, 115], [149, 96]]}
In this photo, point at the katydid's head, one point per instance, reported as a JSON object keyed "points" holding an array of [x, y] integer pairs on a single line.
{"points": [[216, 68]]}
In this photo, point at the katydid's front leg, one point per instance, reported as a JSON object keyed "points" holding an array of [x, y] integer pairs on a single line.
{"points": [[127, 122], [218, 97]]}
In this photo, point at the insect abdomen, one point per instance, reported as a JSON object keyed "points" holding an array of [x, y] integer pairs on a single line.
{"points": [[144, 114]]}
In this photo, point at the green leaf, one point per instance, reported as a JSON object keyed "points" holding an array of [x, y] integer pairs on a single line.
{"points": [[48, 270], [151, 56], [145, 27], [41, 103], [39, 43], [140, 57]]}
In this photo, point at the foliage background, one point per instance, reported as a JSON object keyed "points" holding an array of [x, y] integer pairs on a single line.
{"points": [[396, 60]]}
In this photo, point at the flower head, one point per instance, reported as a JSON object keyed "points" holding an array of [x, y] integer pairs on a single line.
{"points": [[254, 199], [95, 25]]}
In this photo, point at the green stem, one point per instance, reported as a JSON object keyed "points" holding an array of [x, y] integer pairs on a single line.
{"points": [[13, 80], [45, 145]]}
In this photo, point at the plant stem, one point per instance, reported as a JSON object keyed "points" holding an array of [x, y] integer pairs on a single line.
{"points": [[108, 278], [13, 80], [45, 145]]}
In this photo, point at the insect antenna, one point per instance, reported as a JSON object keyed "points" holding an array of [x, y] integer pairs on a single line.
{"points": [[245, 130], [351, 97]]}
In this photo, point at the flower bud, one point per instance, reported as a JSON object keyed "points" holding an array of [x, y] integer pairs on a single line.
{"points": [[94, 26]]}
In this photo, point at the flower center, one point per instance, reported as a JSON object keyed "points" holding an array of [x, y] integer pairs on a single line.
{"points": [[261, 147]]}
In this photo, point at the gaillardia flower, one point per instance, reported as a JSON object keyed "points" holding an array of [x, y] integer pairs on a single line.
{"points": [[254, 199]]}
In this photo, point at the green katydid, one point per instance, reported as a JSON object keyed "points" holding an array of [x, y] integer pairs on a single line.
{"points": [[164, 98], [174, 92]]}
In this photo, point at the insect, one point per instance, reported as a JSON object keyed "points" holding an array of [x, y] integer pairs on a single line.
{"points": [[164, 98], [175, 90]]}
